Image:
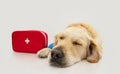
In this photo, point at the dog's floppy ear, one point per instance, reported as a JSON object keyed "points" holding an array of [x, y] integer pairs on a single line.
{"points": [[93, 52]]}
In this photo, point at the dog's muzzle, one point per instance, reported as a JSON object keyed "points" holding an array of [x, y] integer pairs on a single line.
{"points": [[57, 54], [57, 57]]}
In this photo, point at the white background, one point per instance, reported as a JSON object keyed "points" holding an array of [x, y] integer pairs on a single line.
{"points": [[52, 16]]}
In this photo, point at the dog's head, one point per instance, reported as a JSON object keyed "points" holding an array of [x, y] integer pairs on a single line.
{"points": [[73, 45]]}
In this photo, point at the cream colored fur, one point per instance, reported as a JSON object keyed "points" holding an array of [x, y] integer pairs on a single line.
{"points": [[79, 41]]}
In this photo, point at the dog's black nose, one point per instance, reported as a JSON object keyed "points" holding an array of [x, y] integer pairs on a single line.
{"points": [[57, 54]]}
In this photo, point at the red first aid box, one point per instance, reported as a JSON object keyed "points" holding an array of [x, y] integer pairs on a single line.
{"points": [[29, 41]]}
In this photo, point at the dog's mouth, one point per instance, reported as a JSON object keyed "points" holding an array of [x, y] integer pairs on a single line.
{"points": [[58, 63]]}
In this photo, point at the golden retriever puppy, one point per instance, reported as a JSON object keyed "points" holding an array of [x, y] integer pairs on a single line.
{"points": [[77, 42]]}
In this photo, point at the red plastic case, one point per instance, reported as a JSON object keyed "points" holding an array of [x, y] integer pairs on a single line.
{"points": [[29, 41]]}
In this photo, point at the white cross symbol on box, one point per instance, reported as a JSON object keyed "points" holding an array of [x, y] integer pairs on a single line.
{"points": [[27, 40]]}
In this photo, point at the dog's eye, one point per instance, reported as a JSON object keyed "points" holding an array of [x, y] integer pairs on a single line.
{"points": [[61, 38], [76, 43]]}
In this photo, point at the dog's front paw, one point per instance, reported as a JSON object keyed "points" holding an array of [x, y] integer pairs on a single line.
{"points": [[43, 53]]}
